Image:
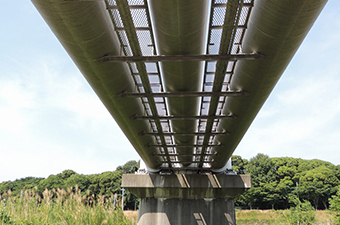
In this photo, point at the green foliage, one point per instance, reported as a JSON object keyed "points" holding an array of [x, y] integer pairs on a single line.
{"points": [[276, 181], [104, 184], [318, 185], [302, 213], [261, 169], [263, 192], [239, 164], [67, 208], [5, 218], [334, 205], [82, 181], [20, 184], [129, 167]]}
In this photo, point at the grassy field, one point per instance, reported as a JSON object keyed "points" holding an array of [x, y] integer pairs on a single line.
{"points": [[262, 217], [73, 207], [276, 217], [59, 207]]}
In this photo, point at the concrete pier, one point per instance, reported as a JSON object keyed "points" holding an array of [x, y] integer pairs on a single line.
{"points": [[186, 199]]}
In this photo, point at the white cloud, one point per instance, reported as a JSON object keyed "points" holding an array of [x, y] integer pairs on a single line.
{"points": [[301, 118], [51, 121]]}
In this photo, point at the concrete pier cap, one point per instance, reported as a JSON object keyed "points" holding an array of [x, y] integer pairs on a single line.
{"points": [[186, 198]]}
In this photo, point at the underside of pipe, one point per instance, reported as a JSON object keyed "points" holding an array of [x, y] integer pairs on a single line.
{"points": [[180, 28], [276, 29], [86, 30]]}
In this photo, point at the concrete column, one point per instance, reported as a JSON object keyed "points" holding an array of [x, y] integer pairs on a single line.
{"points": [[154, 211], [186, 199]]}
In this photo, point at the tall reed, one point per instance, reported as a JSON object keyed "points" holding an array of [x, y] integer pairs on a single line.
{"points": [[59, 206]]}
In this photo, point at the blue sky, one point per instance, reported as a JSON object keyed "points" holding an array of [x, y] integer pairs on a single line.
{"points": [[51, 120]]}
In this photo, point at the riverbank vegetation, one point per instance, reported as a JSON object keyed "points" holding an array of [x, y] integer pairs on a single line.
{"points": [[105, 184], [59, 206], [289, 187], [278, 182]]}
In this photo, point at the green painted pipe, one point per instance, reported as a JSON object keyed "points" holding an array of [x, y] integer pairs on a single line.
{"points": [[85, 30], [276, 29], [180, 28]]}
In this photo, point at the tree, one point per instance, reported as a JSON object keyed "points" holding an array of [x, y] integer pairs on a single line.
{"points": [[82, 181], [129, 167], [66, 174], [52, 182], [261, 169], [285, 169], [262, 172], [238, 164], [318, 185], [20, 184], [109, 183]]}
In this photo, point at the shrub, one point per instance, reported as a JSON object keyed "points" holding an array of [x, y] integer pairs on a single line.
{"points": [[302, 213], [334, 205]]}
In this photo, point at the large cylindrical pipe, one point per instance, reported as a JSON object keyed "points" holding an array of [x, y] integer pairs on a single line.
{"points": [[276, 29], [86, 31], [180, 28]]}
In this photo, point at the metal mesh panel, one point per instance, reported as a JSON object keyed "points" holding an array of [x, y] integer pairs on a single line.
{"points": [[148, 78], [218, 16], [139, 18], [221, 1], [117, 19], [243, 17], [145, 42], [215, 41], [136, 2], [213, 47]]}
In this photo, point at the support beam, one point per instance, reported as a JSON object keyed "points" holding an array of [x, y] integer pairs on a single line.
{"points": [[185, 162], [184, 146], [130, 6], [251, 4], [180, 58], [184, 134], [186, 199], [136, 117], [184, 94], [170, 154]]}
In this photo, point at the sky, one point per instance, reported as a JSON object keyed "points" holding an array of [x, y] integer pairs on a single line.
{"points": [[51, 120]]}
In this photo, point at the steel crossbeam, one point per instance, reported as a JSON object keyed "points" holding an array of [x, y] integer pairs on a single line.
{"points": [[177, 58], [184, 134], [207, 161], [184, 146], [209, 154], [136, 117], [184, 94]]}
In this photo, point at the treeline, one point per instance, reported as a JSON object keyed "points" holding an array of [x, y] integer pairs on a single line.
{"points": [[278, 182], [104, 184]]}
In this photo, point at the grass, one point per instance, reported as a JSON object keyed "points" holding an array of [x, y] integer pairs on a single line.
{"points": [[73, 207], [276, 217], [59, 207], [262, 217]]}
